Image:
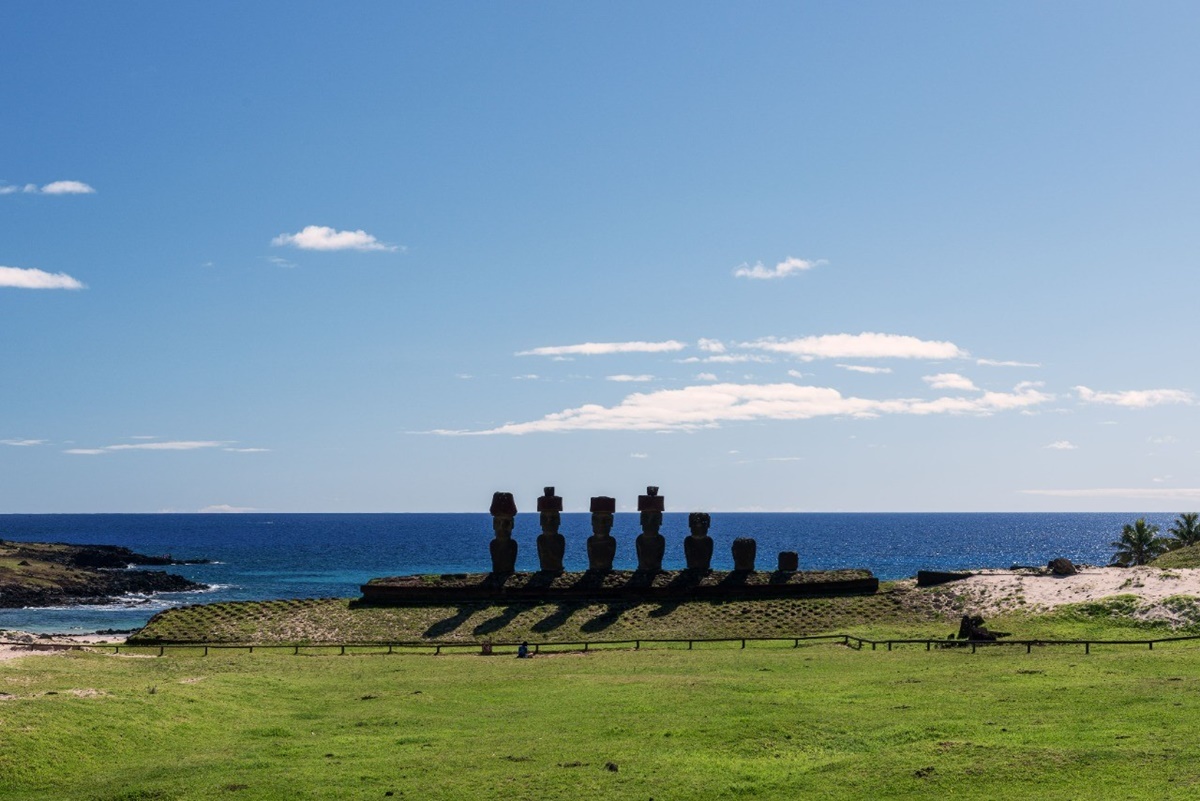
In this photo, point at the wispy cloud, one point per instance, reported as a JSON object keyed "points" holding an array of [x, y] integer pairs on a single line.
{"points": [[862, 368], [639, 456], [52, 188], [281, 262], [711, 345], [22, 443], [225, 509], [994, 363], [1136, 398], [1139, 493], [625, 378], [858, 346], [711, 405], [174, 445], [322, 237], [605, 348], [247, 450], [18, 278], [1062, 445], [950, 381], [706, 376], [789, 266]]}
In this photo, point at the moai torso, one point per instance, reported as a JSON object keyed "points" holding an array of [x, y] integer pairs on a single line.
{"points": [[651, 545], [744, 551], [698, 546], [601, 547], [503, 547], [550, 544]]}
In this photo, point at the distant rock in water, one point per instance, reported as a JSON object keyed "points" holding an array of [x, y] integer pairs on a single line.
{"points": [[55, 573]]}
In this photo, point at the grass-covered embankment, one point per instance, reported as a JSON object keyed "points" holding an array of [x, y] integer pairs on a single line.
{"points": [[717, 722], [334, 620]]}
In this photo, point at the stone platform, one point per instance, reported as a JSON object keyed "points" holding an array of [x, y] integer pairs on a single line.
{"points": [[625, 585]]}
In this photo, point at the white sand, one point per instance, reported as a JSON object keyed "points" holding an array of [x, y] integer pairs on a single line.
{"points": [[991, 592]]}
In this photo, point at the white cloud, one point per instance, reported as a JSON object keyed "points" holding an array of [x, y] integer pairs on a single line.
{"points": [[795, 374], [1062, 445], [225, 509], [784, 459], [1138, 493], [322, 237], [67, 188], [639, 456], [994, 363], [950, 381], [711, 345], [174, 445], [526, 377], [709, 406], [19, 278], [247, 450], [862, 368], [789, 266], [1136, 398], [706, 376], [280, 262], [625, 378], [605, 348], [858, 346], [22, 443], [53, 188]]}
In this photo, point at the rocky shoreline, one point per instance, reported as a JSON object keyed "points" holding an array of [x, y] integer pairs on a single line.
{"points": [[36, 574]]}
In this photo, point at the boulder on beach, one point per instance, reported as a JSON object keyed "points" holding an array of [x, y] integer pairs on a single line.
{"points": [[1062, 567]]}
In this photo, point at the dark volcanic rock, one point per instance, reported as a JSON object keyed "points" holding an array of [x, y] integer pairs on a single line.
{"points": [[1062, 567], [52, 574]]}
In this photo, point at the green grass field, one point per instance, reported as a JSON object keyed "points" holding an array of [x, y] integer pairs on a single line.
{"points": [[819, 721]]}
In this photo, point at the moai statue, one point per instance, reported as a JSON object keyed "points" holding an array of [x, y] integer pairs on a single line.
{"points": [[503, 547], [650, 544], [550, 544], [698, 547], [789, 561], [744, 550], [601, 547]]}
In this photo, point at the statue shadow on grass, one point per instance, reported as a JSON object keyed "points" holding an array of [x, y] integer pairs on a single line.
{"points": [[555, 619], [611, 614], [500, 621], [450, 624]]}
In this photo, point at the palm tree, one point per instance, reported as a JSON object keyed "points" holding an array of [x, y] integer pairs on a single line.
{"points": [[1186, 530], [1139, 544]]}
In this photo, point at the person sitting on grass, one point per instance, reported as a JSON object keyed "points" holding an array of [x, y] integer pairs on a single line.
{"points": [[523, 651]]}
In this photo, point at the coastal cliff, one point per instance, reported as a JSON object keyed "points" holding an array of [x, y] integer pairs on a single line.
{"points": [[54, 574]]}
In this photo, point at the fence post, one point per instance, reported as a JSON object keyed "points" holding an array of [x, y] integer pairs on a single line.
{"points": [[1087, 647], [438, 651], [1028, 647], [889, 645], [1151, 644], [796, 644], [972, 647], [295, 650], [929, 645], [689, 645], [160, 650], [637, 645], [585, 645], [743, 643], [206, 650]]}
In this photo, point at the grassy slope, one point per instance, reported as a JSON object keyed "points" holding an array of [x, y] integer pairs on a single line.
{"points": [[333, 620], [767, 722], [1183, 557]]}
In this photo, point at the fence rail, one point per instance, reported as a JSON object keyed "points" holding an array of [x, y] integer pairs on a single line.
{"points": [[423, 646]]}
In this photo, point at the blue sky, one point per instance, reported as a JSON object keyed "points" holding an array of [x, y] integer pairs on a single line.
{"points": [[777, 256]]}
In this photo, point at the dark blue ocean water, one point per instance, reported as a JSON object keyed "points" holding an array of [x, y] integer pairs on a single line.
{"points": [[267, 556]]}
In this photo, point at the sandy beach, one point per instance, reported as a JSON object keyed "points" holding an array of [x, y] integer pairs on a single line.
{"points": [[992, 592]]}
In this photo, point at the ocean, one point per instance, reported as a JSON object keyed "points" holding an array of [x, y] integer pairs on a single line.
{"points": [[275, 556]]}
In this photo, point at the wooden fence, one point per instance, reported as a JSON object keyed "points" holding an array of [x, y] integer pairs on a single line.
{"points": [[436, 648]]}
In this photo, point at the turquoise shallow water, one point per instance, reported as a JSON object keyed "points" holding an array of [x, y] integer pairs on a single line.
{"points": [[264, 556]]}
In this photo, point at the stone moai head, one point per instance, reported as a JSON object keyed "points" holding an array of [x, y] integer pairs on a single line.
{"points": [[789, 561], [603, 509], [651, 505], [698, 523], [503, 510], [549, 508]]}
